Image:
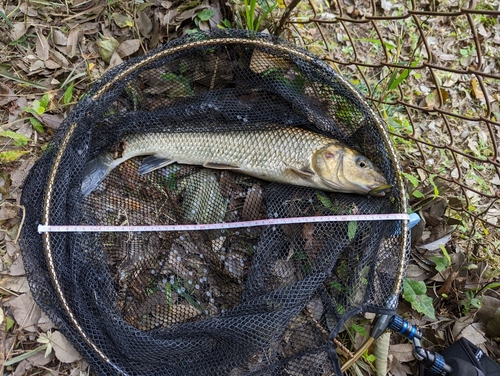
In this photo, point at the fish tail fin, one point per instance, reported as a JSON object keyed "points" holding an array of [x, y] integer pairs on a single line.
{"points": [[95, 172]]}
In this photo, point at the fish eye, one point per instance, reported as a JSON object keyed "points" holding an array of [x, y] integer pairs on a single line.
{"points": [[361, 162]]}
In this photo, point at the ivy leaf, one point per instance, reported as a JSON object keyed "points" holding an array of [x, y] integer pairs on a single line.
{"points": [[19, 139], [206, 14], [43, 104], [413, 288], [417, 193], [37, 126], [441, 263], [359, 329], [423, 304], [325, 201], [68, 94], [12, 155], [412, 179], [351, 229], [414, 293]]}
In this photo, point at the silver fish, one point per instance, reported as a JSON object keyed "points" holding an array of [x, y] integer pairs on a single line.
{"points": [[284, 155]]}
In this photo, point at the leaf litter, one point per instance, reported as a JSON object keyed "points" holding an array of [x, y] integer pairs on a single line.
{"points": [[58, 51]]}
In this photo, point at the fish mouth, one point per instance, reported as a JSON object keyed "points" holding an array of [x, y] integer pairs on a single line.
{"points": [[379, 190]]}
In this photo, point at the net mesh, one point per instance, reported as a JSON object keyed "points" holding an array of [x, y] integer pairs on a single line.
{"points": [[264, 300]]}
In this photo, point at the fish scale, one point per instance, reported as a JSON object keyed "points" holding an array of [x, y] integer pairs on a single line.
{"points": [[284, 155]]}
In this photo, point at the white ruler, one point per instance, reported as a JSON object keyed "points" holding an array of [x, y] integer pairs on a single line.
{"points": [[229, 225]]}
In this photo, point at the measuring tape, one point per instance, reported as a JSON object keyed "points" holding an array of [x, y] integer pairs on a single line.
{"points": [[229, 225]]}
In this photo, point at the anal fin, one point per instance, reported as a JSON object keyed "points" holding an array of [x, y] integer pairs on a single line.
{"points": [[153, 162], [220, 166]]}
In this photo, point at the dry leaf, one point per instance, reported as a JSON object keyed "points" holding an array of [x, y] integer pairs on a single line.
{"points": [[37, 360], [476, 89], [18, 285], [128, 47], [63, 349], [122, 20], [44, 323], [26, 312], [144, 24], [18, 30], [17, 268], [435, 244], [17, 176], [495, 180], [72, 42], [402, 352], [398, 369], [7, 213], [36, 66], [6, 94], [432, 100], [42, 45], [115, 60], [475, 333], [58, 37], [59, 58]]}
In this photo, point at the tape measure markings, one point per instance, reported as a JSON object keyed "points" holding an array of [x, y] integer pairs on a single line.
{"points": [[221, 226]]}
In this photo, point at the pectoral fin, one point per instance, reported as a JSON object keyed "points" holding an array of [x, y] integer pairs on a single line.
{"points": [[153, 162], [302, 172], [220, 166]]}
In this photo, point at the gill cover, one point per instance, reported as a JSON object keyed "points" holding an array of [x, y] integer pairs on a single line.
{"points": [[346, 170]]}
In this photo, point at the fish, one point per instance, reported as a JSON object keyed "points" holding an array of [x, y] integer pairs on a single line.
{"points": [[287, 155]]}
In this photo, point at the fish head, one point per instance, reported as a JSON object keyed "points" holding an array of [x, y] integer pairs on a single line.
{"points": [[345, 170]]}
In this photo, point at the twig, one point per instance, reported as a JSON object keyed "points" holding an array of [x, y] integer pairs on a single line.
{"points": [[285, 17], [21, 224]]}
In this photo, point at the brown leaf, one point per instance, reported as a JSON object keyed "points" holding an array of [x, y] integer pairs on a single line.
{"points": [[17, 268], [44, 323], [17, 176], [59, 58], [128, 47], [26, 312], [475, 333], [432, 100], [402, 352], [59, 38], [37, 360], [144, 24], [16, 284], [19, 29], [72, 43], [476, 89], [488, 308], [42, 45], [6, 94], [63, 349], [7, 213], [115, 60], [53, 121]]}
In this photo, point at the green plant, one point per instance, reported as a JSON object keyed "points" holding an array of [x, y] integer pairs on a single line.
{"points": [[204, 15], [414, 292], [471, 301], [38, 107], [253, 23], [442, 263]]}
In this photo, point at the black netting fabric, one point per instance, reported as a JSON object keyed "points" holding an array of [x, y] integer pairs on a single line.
{"points": [[265, 300]]}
